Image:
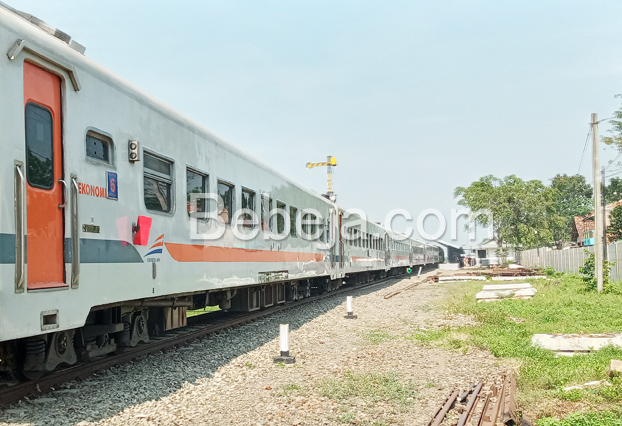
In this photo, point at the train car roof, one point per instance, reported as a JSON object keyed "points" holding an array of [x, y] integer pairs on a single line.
{"points": [[61, 46]]}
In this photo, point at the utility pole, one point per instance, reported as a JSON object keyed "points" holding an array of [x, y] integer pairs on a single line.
{"points": [[598, 216], [604, 203]]}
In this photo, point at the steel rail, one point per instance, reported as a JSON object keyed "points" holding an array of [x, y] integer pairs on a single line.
{"points": [[177, 337]]}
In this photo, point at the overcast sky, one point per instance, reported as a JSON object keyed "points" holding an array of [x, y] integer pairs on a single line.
{"points": [[412, 98]]}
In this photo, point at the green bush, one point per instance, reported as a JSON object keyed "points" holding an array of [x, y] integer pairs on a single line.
{"points": [[588, 273]]}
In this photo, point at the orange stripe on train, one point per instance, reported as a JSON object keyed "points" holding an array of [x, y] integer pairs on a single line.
{"points": [[198, 253]]}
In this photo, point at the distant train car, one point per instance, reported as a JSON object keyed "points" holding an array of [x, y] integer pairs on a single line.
{"points": [[119, 214]]}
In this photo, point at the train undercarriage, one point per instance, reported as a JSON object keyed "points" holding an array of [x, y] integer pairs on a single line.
{"points": [[111, 329]]}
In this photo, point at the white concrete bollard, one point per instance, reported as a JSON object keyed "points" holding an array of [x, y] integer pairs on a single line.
{"points": [[349, 308], [285, 357], [419, 273], [284, 339]]}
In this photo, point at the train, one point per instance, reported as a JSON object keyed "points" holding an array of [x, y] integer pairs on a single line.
{"points": [[119, 215]]}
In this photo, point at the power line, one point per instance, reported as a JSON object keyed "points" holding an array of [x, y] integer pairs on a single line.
{"points": [[587, 137], [612, 161], [617, 172]]}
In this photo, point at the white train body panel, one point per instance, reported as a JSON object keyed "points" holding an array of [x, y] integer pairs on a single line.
{"points": [[112, 268]]}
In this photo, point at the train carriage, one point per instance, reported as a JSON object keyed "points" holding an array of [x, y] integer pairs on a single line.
{"points": [[118, 214]]}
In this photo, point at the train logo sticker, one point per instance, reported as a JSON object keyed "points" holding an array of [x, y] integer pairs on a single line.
{"points": [[156, 248]]}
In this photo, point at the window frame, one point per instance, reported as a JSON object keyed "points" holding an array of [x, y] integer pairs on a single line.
{"points": [[267, 218], [231, 185], [155, 175], [293, 221], [280, 217], [104, 137], [206, 177], [50, 112], [244, 189]]}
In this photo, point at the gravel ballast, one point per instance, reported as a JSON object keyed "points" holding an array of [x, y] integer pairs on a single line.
{"points": [[348, 371]]}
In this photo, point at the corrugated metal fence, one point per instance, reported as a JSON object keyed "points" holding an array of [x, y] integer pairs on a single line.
{"points": [[570, 260]]}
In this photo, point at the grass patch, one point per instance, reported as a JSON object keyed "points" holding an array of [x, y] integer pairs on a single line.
{"points": [[591, 418], [347, 417], [373, 387], [444, 337], [375, 337], [202, 311], [286, 390], [430, 336], [561, 306]]}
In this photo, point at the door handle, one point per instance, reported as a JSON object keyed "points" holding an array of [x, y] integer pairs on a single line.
{"points": [[64, 184], [75, 236], [20, 243]]}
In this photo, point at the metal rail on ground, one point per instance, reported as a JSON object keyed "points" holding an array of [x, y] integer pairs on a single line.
{"points": [[179, 337]]}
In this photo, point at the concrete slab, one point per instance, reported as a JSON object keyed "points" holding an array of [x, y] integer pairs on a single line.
{"points": [[513, 286], [535, 277], [446, 278], [487, 296], [449, 266], [615, 368], [576, 342]]}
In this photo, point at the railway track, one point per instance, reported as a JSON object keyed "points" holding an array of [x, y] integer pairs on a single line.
{"points": [[201, 326]]}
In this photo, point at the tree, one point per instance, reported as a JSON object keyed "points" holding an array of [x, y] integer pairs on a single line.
{"points": [[572, 197], [614, 231], [613, 191], [616, 129], [517, 209]]}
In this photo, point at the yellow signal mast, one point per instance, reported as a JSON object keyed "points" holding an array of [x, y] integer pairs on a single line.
{"points": [[332, 162]]}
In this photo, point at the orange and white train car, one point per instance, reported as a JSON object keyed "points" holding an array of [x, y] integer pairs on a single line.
{"points": [[118, 214]]}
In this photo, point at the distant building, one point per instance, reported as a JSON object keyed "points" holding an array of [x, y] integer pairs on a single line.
{"points": [[583, 226], [487, 249], [452, 251]]}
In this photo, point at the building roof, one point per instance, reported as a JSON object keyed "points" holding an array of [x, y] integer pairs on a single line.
{"points": [[450, 245], [587, 223]]}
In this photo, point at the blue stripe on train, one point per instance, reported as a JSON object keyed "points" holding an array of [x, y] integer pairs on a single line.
{"points": [[91, 251]]}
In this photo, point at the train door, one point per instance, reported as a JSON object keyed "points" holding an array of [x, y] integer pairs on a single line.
{"points": [[387, 252], [334, 234], [340, 243], [45, 188]]}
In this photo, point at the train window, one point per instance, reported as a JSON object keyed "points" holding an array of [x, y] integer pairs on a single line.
{"points": [[313, 219], [196, 183], [266, 206], [225, 201], [158, 182], [306, 218], [248, 202], [39, 147], [280, 218], [98, 147], [327, 229], [293, 212]]}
